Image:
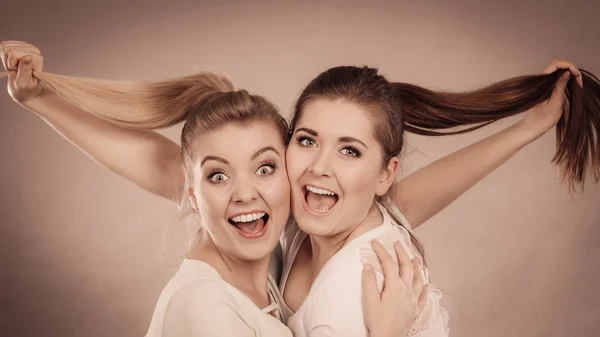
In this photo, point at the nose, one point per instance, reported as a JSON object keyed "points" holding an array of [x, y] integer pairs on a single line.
{"points": [[321, 165], [245, 191]]}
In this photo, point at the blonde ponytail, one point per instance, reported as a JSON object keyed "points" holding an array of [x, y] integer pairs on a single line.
{"points": [[136, 104]]}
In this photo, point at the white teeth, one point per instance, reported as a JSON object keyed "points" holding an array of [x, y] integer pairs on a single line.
{"points": [[318, 190], [247, 217]]}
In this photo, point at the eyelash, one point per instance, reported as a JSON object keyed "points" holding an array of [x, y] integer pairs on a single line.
{"points": [[357, 153], [272, 165], [301, 139], [213, 174]]}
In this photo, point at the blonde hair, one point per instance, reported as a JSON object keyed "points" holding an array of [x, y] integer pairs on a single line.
{"points": [[204, 101]]}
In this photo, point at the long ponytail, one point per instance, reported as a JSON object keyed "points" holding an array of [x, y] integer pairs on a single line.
{"points": [[140, 105], [430, 113]]}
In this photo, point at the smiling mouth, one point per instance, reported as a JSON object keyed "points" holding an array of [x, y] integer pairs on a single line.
{"points": [[251, 226], [319, 201]]}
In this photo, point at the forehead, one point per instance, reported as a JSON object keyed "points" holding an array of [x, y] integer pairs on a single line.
{"points": [[237, 140], [338, 118]]}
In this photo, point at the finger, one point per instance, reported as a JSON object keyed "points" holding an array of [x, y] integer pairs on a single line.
{"points": [[11, 61], [370, 291], [558, 94], [15, 54], [24, 73], [16, 44], [423, 297], [406, 267], [561, 64], [417, 281], [4, 56], [390, 267]]}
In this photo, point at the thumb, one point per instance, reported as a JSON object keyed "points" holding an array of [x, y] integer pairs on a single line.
{"points": [[24, 73], [370, 291], [559, 89]]}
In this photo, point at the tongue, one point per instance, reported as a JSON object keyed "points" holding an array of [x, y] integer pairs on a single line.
{"points": [[320, 202], [251, 227]]}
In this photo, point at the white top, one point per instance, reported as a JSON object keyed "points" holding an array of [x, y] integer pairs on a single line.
{"points": [[198, 302], [333, 306]]}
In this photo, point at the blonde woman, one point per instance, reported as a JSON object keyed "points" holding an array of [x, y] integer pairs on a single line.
{"points": [[233, 155]]}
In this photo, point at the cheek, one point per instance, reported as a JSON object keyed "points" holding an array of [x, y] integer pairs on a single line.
{"points": [[277, 190], [358, 178], [213, 200], [296, 163]]}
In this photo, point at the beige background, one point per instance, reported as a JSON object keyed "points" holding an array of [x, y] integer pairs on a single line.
{"points": [[80, 248]]}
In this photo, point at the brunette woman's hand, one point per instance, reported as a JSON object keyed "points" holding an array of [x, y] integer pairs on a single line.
{"points": [[545, 115]]}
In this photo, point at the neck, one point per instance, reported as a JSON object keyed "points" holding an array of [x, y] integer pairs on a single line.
{"points": [[323, 248], [250, 277]]}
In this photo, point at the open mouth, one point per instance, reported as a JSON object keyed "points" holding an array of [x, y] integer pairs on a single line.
{"points": [[319, 201], [250, 225]]}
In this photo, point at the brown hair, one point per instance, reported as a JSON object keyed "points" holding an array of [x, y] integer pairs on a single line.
{"points": [[406, 107], [205, 101]]}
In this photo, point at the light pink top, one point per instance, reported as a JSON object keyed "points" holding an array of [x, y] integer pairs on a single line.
{"points": [[333, 306]]}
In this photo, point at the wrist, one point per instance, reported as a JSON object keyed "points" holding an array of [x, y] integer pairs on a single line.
{"points": [[524, 133], [40, 103]]}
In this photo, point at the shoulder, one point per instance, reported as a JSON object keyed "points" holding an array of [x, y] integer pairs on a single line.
{"points": [[201, 293], [340, 288], [204, 307], [202, 300]]}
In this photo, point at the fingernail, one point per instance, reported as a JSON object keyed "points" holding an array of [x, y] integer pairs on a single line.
{"points": [[368, 267]]}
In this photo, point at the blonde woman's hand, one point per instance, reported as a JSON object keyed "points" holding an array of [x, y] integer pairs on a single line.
{"points": [[392, 312], [21, 60]]}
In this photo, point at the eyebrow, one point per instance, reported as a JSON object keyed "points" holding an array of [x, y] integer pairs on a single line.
{"points": [[263, 150], [341, 139], [219, 159], [254, 156]]}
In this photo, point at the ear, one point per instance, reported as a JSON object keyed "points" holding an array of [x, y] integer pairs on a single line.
{"points": [[388, 176], [192, 197]]}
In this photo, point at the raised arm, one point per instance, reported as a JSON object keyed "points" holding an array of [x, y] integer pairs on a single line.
{"points": [[424, 193], [146, 158]]}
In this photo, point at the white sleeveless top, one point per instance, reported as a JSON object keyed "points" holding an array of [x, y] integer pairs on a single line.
{"points": [[198, 302], [333, 306]]}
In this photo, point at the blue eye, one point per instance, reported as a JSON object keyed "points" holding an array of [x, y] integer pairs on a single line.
{"points": [[217, 177], [306, 141]]}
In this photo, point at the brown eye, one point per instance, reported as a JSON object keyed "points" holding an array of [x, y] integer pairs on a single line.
{"points": [[351, 152], [307, 142]]}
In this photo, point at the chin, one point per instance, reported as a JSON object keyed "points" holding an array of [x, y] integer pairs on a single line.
{"points": [[258, 250]]}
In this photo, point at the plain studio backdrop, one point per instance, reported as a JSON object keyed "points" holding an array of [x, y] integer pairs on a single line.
{"points": [[82, 249]]}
